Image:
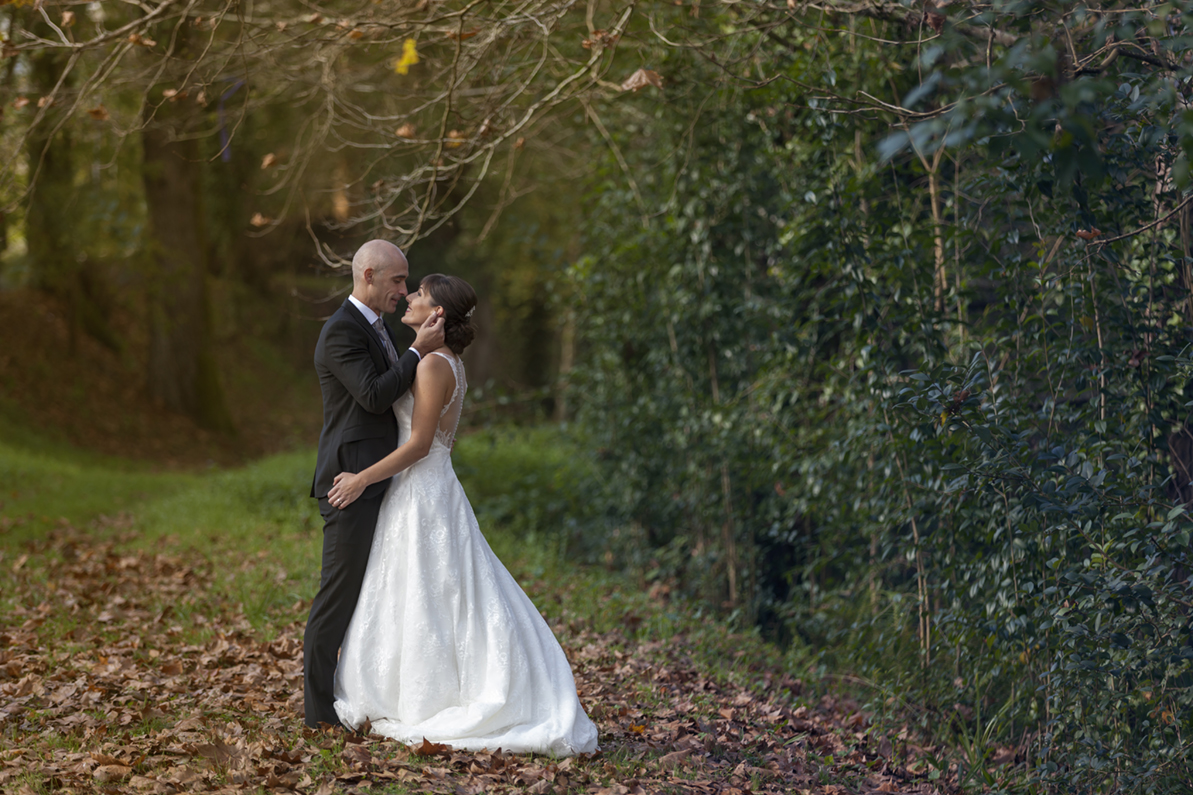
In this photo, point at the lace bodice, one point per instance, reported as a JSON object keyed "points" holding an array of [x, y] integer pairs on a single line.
{"points": [[449, 417]]}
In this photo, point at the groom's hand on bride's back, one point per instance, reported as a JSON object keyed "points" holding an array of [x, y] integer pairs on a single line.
{"points": [[430, 335]]}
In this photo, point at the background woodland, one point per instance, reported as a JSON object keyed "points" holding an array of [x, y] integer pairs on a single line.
{"points": [[871, 320]]}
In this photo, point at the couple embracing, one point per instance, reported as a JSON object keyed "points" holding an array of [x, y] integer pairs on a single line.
{"points": [[417, 627]]}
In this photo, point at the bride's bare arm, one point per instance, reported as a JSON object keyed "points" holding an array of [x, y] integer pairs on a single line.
{"points": [[433, 387]]}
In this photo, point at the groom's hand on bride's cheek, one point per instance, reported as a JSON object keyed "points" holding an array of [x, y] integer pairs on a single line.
{"points": [[430, 334]]}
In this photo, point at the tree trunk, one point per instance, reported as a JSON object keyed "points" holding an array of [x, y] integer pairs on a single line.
{"points": [[57, 258], [567, 360], [182, 370]]}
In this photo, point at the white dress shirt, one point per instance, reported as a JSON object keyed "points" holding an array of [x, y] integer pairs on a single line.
{"points": [[371, 317]]}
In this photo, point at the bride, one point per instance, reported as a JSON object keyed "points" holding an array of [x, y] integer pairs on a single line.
{"points": [[444, 645]]}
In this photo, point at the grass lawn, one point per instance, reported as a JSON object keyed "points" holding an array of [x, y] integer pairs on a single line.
{"points": [[150, 640]]}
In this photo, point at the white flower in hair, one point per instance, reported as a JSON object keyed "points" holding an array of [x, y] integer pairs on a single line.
{"points": [[468, 314]]}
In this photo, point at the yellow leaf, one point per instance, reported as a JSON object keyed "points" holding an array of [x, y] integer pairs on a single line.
{"points": [[409, 57]]}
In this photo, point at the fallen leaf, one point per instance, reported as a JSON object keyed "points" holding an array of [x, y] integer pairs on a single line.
{"points": [[428, 748], [358, 754], [110, 773], [673, 760]]}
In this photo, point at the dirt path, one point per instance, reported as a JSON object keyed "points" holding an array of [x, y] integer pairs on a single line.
{"points": [[121, 671]]}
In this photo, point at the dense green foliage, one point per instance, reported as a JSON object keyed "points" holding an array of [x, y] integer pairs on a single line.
{"points": [[859, 379]]}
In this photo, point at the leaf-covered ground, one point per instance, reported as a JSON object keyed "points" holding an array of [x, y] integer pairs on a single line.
{"points": [[125, 669]]}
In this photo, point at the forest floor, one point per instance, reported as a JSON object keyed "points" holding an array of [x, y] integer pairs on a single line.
{"points": [[126, 668]]}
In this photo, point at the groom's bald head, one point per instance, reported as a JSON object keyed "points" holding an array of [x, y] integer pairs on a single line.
{"points": [[379, 271], [378, 256]]}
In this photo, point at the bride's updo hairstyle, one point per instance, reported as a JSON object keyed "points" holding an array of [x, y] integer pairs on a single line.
{"points": [[458, 300]]}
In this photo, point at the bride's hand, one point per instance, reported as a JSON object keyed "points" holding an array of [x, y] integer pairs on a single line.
{"points": [[347, 487]]}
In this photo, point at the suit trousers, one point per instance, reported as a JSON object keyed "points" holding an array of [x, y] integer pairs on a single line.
{"points": [[347, 539]]}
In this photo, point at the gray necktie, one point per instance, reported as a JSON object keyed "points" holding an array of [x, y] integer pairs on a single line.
{"points": [[389, 346]]}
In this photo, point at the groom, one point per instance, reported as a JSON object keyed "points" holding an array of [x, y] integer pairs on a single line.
{"points": [[361, 375]]}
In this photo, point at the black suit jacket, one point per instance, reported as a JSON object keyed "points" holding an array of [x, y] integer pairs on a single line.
{"points": [[359, 389]]}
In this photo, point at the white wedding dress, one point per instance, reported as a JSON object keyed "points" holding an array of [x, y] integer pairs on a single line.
{"points": [[444, 644]]}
